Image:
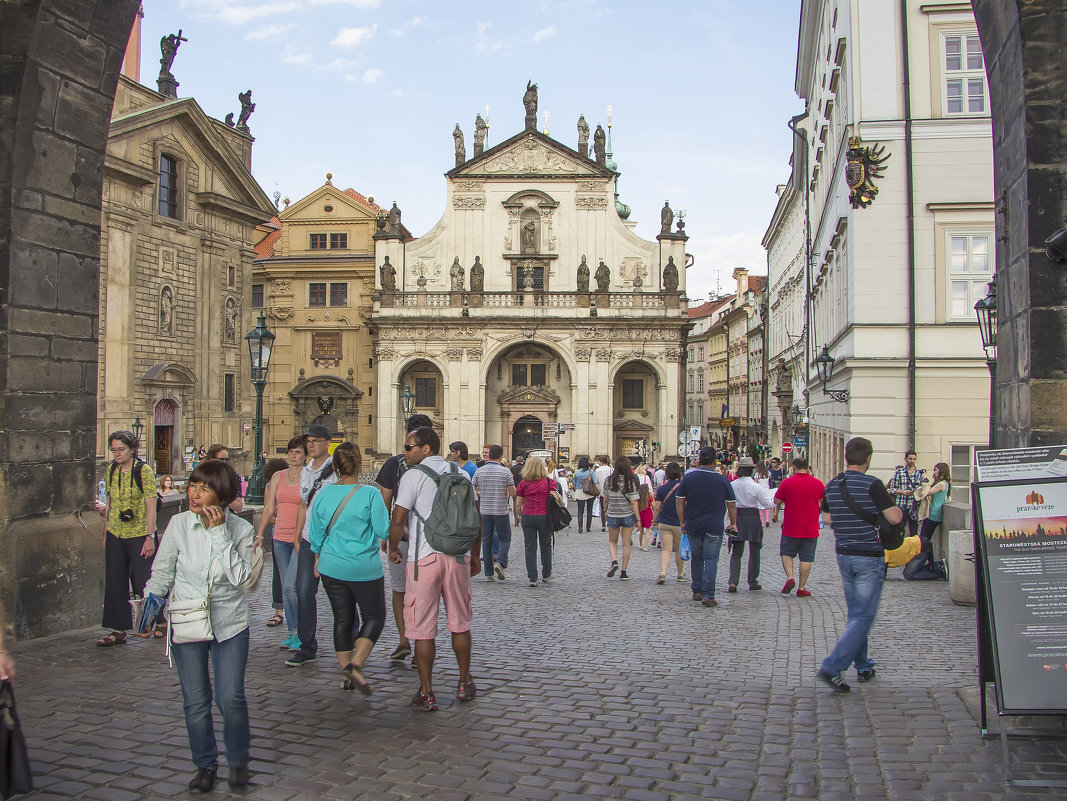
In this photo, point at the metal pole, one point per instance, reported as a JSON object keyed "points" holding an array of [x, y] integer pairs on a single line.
{"points": [[255, 481], [992, 364]]}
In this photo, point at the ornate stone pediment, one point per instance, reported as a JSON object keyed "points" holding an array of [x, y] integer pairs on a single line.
{"points": [[530, 153], [534, 395], [635, 427]]}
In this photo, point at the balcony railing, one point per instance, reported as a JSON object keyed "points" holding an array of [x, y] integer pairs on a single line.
{"points": [[532, 299]]}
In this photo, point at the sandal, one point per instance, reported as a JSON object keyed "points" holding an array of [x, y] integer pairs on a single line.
{"points": [[114, 638], [277, 620], [402, 652], [350, 682]]}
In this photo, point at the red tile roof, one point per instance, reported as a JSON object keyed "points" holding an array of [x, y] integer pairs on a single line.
{"points": [[265, 247], [353, 193]]}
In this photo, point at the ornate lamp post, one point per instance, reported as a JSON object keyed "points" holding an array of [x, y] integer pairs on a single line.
{"points": [[986, 309], [260, 342], [138, 428], [407, 402], [824, 364]]}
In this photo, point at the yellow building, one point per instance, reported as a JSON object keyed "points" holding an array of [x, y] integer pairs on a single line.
{"points": [[313, 278]]}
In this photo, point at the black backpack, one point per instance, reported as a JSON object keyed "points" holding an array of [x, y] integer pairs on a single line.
{"points": [[138, 466], [891, 535]]}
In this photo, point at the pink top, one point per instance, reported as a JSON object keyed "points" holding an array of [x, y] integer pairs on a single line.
{"points": [[535, 496], [287, 501]]}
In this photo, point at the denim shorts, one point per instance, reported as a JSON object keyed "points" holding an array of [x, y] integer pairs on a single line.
{"points": [[622, 522], [803, 547]]}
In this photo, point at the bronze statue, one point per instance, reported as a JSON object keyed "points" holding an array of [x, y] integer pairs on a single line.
{"points": [[461, 149], [394, 219], [666, 218], [583, 275], [599, 138], [168, 47], [603, 277], [247, 107], [457, 272], [388, 272], [670, 275], [529, 101], [480, 129], [583, 136], [477, 275]]}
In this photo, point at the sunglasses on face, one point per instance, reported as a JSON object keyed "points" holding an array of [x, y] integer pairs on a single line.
{"points": [[412, 445]]}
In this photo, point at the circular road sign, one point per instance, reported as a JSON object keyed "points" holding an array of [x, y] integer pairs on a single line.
{"points": [[787, 447], [692, 449]]}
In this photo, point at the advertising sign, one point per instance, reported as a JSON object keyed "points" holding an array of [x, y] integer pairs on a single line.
{"points": [[1019, 463], [800, 440], [1022, 533], [539, 454]]}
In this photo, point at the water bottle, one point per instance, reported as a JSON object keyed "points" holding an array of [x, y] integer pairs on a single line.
{"points": [[101, 492]]}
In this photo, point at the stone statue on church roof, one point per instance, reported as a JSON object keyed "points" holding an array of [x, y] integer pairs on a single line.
{"points": [[529, 102]]}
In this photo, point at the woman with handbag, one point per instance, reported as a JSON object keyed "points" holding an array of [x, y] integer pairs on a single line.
{"points": [[348, 522], [666, 519], [204, 559], [585, 492], [932, 496], [620, 500], [532, 506]]}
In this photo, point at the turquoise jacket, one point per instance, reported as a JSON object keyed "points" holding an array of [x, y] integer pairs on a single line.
{"points": [[351, 551]]}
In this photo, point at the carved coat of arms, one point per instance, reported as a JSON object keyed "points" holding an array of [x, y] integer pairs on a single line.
{"points": [[865, 164]]}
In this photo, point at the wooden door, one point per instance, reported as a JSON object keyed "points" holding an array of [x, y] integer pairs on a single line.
{"points": [[164, 435]]}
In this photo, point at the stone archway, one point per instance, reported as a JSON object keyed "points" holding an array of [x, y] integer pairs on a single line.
{"points": [[326, 400]]}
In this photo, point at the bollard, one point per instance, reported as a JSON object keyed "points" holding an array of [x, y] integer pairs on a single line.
{"points": [[961, 567]]}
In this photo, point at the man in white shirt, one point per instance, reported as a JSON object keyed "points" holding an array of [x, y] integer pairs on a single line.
{"points": [[600, 475], [441, 577]]}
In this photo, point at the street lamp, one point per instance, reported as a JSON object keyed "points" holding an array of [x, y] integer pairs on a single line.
{"points": [[138, 428], [798, 415], [824, 364], [260, 341], [986, 309], [407, 401]]}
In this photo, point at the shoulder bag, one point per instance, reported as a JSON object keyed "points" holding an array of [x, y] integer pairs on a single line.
{"points": [[589, 486], [891, 535], [16, 776], [559, 517]]}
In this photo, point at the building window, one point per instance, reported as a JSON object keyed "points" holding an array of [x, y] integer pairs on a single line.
{"points": [[338, 294], [532, 375], [961, 465], [700, 382], [700, 414], [700, 354], [969, 270], [633, 393], [536, 275], [964, 79], [229, 400], [231, 275], [689, 355], [316, 294], [168, 187], [318, 241], [338, 241], [690, 389], [425, 393], [257, 296]]}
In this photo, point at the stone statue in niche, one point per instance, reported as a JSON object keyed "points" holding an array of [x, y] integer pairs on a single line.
{"points": [[477, 275], [457, 273], [388, 273], [603, 277], [529, 237], [480, 129], [666, 218], [583, 275], [461, 149], [230, 314], [166, 311], [583, 136], [529, 102], [247, 107], [670, 275]]}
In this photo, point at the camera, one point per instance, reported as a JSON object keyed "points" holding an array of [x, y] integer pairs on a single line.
{"points": [[126, 515]]}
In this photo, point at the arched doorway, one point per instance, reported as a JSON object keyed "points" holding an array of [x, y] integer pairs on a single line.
{"points": [[163, 437], [526, 435]]}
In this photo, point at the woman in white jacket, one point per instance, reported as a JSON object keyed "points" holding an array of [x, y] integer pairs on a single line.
{"points": [[207, 553]]}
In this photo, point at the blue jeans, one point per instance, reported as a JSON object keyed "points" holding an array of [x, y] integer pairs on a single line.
{"points": [[307, 610], [283, 556], [705, 567], [228, 659], [495, 544], [862, 577]]}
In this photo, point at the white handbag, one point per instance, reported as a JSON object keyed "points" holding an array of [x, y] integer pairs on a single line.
{"points": [[189, 621]]}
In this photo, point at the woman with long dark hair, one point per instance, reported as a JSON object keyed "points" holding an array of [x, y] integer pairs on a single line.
{"points": [[620, 498], [932, 497], [585, 500], [665, 508]]}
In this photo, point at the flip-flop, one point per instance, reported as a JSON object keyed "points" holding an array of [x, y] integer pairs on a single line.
{"points": [[112, 639], [277, 620]]}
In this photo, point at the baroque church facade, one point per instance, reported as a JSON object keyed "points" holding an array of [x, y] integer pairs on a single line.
{"points": [[532, 305]]}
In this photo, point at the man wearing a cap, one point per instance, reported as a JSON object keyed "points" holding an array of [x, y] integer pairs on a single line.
{"points": [[704, 497], [316, 473]]}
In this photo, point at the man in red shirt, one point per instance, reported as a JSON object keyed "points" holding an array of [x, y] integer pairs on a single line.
{"points": [[801, 494]]}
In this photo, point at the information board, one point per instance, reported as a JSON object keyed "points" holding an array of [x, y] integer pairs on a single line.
{"points": [[1019, 463]]}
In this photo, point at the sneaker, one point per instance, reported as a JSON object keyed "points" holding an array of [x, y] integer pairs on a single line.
{"points": [[499, 571], [466, 692], [709, 602], [836, 683], [546, 579], [427, 702], [238, 778], [299, 658], [788, 588], [203, 781], [803, 593], [865, 676], [533, 582], [756, 586], [942, 568], [490, 578], [614, 569], [287, 643], [732, 588], [623, 576], [682, 577], [662, 578]]}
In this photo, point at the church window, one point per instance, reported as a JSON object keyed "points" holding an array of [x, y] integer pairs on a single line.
{"points": [[425, 393], [229, 399], [168, 186], [318, 241], [529, 375], [316, 294], [633, 393]]}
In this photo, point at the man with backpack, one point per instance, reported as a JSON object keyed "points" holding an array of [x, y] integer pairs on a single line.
{"points": [[436, 509]]}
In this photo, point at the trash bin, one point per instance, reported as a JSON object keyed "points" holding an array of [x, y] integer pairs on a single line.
{"points": [[961, 567]]}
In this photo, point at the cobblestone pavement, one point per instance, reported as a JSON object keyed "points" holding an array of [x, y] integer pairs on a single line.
{"points": [[588, 687]]}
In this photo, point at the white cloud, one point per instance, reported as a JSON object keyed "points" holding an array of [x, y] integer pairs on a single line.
{"points": [[353, 3], [544, 33], [414, 22], [353, 37], [242, 14], [290, 56], [373, 75], [268, 32], [483, 44]]}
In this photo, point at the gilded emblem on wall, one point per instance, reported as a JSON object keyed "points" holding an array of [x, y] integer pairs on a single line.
{"points": [[864, 165]]}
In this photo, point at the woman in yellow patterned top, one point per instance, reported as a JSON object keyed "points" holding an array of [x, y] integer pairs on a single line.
{"points": [[129, 542]]}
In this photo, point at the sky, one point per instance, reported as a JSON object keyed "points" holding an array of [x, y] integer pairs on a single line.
{"points": [[370, 90]]}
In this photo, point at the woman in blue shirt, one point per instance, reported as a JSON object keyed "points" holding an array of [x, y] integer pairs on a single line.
{"points": [[348, 521], [932, 497]]}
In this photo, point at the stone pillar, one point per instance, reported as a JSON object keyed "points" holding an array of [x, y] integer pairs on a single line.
{"points": [[1030, 174]]}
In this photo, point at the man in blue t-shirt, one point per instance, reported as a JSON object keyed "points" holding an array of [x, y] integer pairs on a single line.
{"points": [[704, 498], [860, 558]]}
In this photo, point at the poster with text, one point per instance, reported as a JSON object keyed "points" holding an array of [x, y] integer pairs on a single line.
{"points": [[1023, 535]]}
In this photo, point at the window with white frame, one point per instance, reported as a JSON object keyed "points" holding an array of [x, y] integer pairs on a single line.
{"points": [[961, 466], [970, 264], [700, 381], [964, 79], [690, 382]]}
